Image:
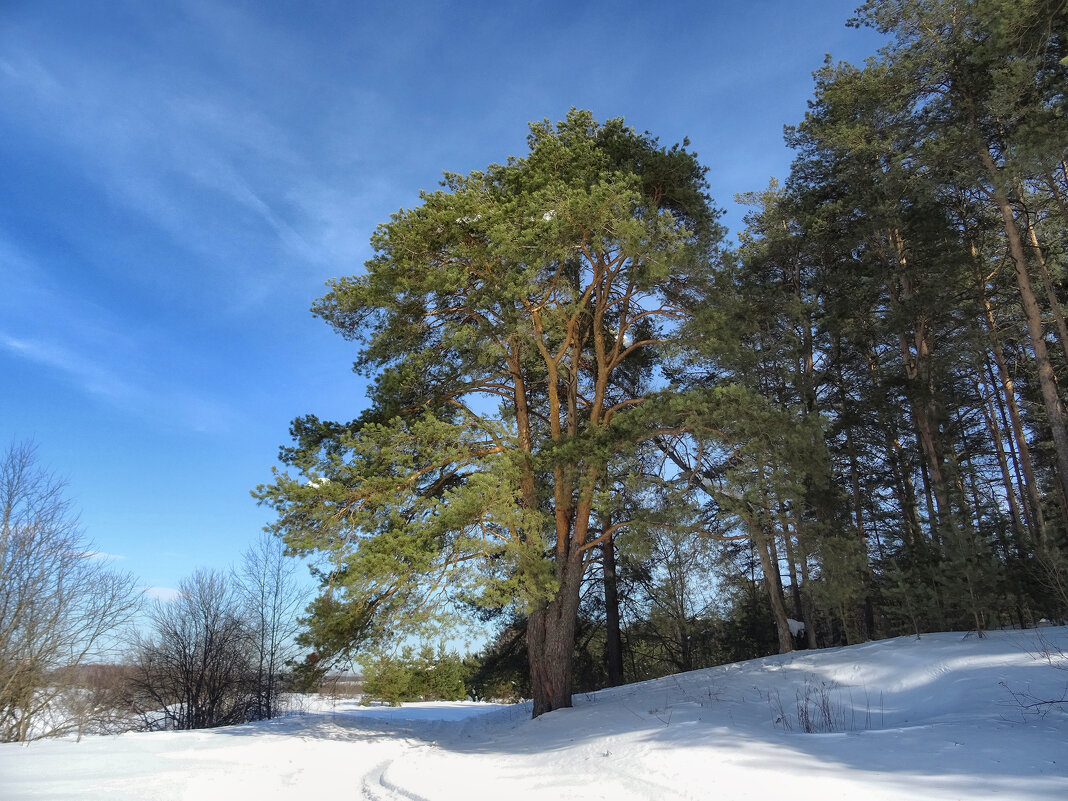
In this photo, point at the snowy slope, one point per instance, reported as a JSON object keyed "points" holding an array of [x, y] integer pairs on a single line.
{"points": [[943, 717]]}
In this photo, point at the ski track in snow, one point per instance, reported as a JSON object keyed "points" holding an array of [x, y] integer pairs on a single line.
{"points": [[377, 787], [913, 720]]}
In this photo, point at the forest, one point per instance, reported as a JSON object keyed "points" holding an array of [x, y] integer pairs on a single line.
{"points": [[641, 449]]}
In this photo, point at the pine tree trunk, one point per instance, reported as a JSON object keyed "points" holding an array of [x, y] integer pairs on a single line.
{"points": [[855, 486], [810, 612], [551, 642], [1006, 477], [791, 567], [613, 640], [922, 401], [1051, 182], [1034, 524], [1047, 285], [1046, 379], [900, 468], [772, 580], [1033, 500], [932, 512]]}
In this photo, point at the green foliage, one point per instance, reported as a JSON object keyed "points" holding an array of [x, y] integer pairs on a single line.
{"points": [[873, 311], [510, 324], [407, 676], [745, 629], [499, 672], [839, 584]]}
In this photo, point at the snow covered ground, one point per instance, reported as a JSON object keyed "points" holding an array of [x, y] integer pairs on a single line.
{"points": [[944, 717]]}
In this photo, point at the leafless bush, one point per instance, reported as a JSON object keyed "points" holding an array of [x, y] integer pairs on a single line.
{"points": [[821, 707], [1029, 703], [1053, 575], [98, 700], [218, 653], [60, 604], [196, 667], [271, 597]]}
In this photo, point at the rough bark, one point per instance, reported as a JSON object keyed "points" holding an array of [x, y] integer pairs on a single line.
{"points": [[551, 641], [613, 640]]}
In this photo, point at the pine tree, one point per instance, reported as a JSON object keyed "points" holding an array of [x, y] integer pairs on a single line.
{"points": [[502, 321]]}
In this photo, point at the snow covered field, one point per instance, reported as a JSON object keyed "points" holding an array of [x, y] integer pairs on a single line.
{"points": [[943, 717]]}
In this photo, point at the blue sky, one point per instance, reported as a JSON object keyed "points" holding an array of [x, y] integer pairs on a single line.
{"points": [[182, 177]]}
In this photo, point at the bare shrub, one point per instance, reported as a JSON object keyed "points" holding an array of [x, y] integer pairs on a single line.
{"points": [[195, 669], [340, 685], [61, 605], [98, 700], [1029, 703], [271, 599], [218, 653], [822, 707]]}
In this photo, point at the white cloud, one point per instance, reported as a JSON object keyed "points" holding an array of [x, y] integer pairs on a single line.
{"points": [[138, 391], [93, 378], [165, 594], [104, 557], [187, 154]]}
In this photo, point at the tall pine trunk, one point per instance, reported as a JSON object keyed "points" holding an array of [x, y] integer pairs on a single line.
{"points": [[994, 430], [1019, 436], [613, 640], [551, 641], [1046, 379], [764, 538], [1047, 284]]}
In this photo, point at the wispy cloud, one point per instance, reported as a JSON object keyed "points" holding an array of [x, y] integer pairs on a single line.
{"points": [[101, 556], [229, 181], [206, 161], [93, 378], [154, 402], [165, 594], [48, 322]]}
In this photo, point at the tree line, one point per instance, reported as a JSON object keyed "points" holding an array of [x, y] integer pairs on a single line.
{"points": [[856, 414], [905, 286]]}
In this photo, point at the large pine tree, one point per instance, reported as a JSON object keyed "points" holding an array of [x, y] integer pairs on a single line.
{"points": [[510, 323]]}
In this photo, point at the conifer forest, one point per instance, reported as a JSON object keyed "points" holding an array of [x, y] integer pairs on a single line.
{"points": [[636, 447]]}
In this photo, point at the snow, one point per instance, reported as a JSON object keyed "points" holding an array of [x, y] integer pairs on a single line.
{"points": [[942, 717]]}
